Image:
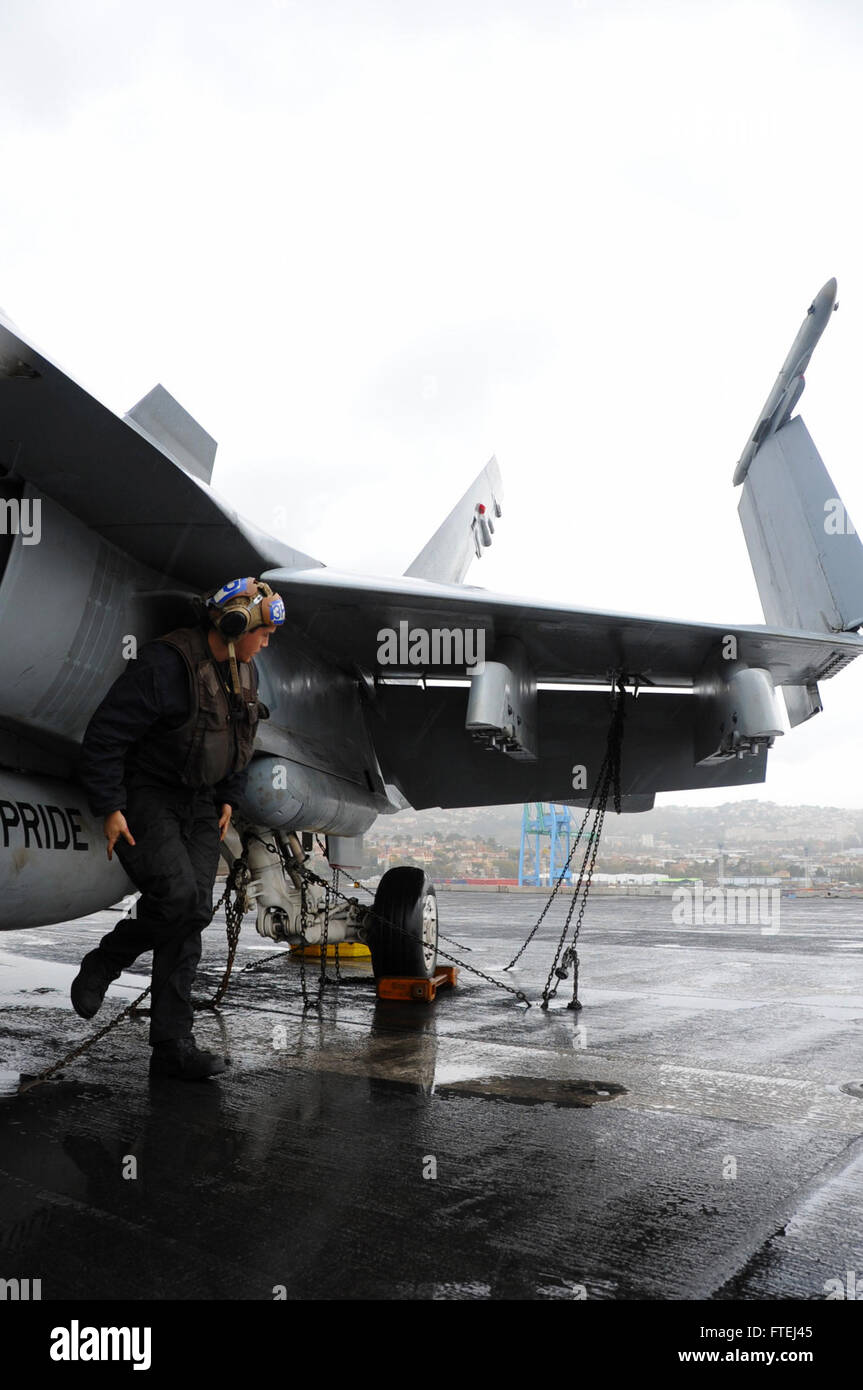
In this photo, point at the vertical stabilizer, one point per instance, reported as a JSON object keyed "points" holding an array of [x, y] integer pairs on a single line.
{"points": [[805, 553], [468, 528], [164, 421]]}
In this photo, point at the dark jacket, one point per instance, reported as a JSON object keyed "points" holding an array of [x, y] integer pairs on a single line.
{"points": [[142, 732]]}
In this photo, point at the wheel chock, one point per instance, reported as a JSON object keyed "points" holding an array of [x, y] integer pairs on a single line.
{"points": [[348, 950], [412, 987]]}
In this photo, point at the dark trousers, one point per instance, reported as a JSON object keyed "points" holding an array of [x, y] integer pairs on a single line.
{"points": [[173, 863]]}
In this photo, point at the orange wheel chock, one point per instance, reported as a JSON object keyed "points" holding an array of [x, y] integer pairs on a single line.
{"points": [[409, 987]]}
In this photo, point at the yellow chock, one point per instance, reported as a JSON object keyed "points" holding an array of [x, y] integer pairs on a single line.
{"points": [[348, 950]]}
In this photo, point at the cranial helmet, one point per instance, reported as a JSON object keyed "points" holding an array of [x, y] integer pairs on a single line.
{"points": [[239, 607], [242, 605]]}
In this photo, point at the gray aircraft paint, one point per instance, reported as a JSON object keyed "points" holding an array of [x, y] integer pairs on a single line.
{"points": [[130, 529]]}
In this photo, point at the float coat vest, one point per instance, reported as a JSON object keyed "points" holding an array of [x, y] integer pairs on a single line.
{"points": [[217, 737]]}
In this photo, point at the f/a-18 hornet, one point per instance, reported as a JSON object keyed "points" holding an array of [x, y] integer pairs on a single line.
{"points": [[385, 692]]}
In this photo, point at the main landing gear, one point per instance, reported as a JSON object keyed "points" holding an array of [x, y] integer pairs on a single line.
{"points": [[402, 934], [292, 904]]}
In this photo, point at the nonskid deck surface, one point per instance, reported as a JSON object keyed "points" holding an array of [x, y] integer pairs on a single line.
{"points": [[686, 1136]]}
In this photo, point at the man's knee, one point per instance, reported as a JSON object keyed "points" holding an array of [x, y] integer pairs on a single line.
{"points": [[171, 900], [185, 902]]}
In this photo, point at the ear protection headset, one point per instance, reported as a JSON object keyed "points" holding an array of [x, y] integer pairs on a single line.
{"points": [[239, 607]]}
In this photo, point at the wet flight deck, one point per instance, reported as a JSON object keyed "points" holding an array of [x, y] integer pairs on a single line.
{"points": [[696, 1132]]}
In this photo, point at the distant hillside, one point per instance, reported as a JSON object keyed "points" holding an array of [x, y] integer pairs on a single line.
{"points": [[733, 825], [501, 823]]}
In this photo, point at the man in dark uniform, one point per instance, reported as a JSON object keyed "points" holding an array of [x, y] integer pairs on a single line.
{"points": [[164, 760]]}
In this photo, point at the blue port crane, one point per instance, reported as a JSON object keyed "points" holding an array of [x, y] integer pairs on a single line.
{"points": [[543, 820]]}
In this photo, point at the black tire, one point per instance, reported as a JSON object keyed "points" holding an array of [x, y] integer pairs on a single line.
{"points": [[403, 934]]}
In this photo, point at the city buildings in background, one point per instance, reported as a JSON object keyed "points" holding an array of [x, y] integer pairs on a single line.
{"points": [[738, 843]]}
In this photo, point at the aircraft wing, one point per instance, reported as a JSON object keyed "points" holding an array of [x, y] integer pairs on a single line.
{"points": [[445, 745], [132, 480], [344, 615]]}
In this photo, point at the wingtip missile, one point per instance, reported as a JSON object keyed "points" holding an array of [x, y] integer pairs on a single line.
{"points": [[789, 384]]}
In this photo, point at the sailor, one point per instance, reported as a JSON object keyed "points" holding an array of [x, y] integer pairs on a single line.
{"points": [[164, 760]]}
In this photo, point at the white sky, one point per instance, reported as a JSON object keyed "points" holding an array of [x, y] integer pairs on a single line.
{"points": [[368, 245]]}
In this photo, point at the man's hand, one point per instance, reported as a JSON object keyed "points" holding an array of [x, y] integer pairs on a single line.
{"points": [[224, 819], [115, 826]]}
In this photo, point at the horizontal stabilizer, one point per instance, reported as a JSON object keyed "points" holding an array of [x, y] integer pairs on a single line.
{"points": [[469, 527], [171, 427]]}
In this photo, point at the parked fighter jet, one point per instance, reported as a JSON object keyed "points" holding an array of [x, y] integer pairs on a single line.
{"points": [[110, 526]]}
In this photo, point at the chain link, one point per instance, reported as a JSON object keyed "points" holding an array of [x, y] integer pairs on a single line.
{"points": [[535, 928], [76, 1052], [608, 782], [336, 876], [236, 884], [304, 918], [324, 942]]}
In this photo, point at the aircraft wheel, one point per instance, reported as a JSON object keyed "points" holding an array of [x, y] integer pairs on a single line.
{"points": [[403, 934]]}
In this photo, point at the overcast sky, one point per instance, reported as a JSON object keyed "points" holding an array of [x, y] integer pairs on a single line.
{"points": [[368, 245]]}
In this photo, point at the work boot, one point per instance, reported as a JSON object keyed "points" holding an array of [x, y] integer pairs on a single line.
{"points": [[183, 1059], [91, 983]]}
